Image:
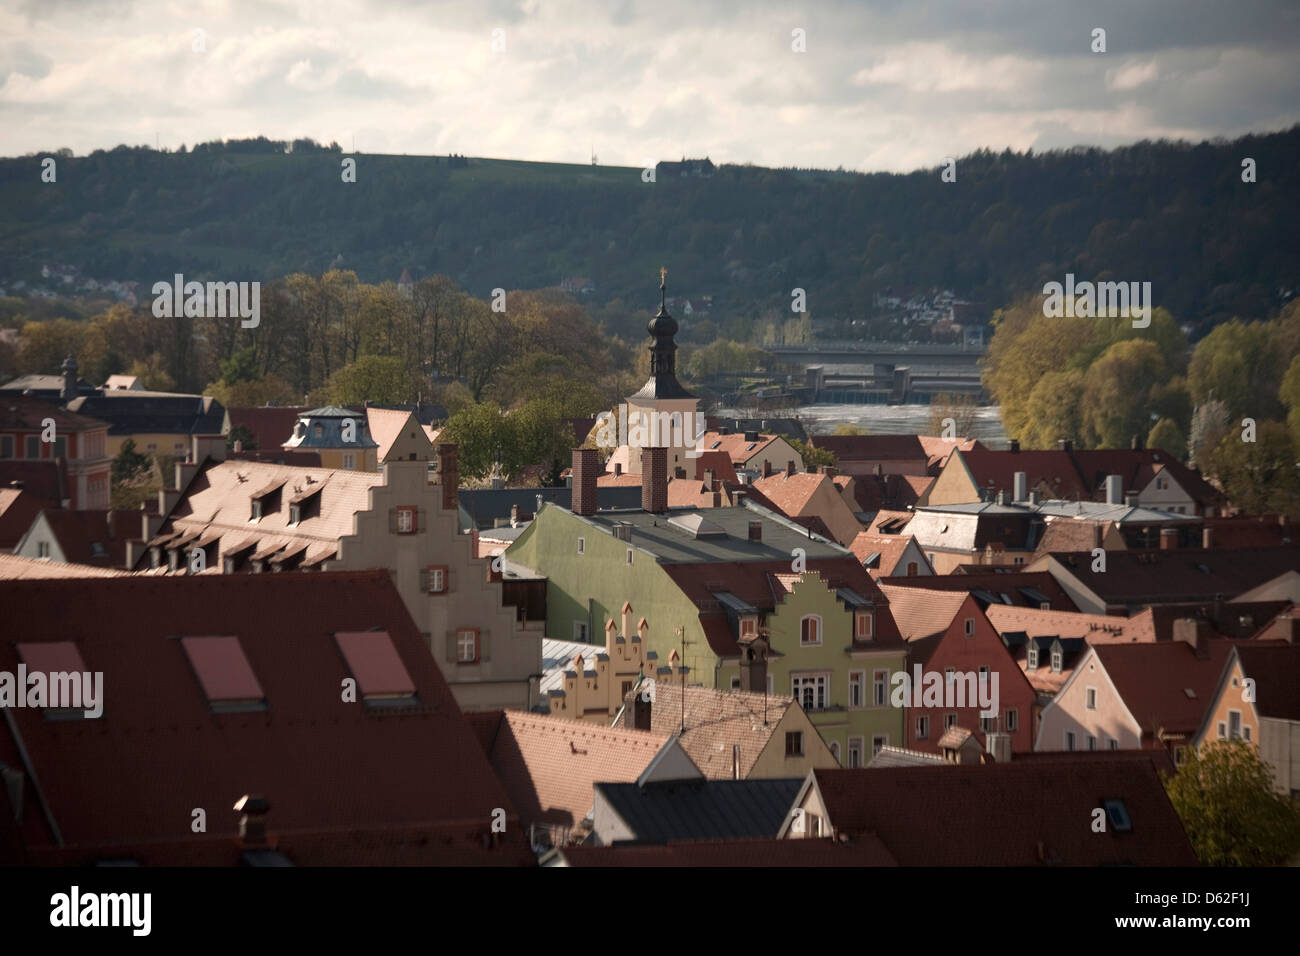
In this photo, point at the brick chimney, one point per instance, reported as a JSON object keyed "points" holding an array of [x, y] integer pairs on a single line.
{"points": [[654, 480], [767, 468], [586, 465], [253, 809], [448, 475], [756, 532], [789, 467]]}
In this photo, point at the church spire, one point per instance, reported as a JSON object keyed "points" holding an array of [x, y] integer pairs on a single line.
{"points": [[663, 352]]}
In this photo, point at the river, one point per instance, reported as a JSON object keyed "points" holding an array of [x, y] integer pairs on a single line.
{"points": [[883, 419]]}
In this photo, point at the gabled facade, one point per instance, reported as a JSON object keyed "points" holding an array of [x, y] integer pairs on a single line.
{"points": [[822, 649], [968, 649], [1136, 697]]}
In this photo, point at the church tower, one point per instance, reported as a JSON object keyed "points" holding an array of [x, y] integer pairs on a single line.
{"points": [[663, 413]]}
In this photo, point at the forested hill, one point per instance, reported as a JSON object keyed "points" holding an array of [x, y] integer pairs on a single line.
{"points": [[1174, 214]]}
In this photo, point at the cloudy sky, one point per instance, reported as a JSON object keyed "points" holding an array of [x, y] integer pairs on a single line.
{"points": [[882, 85]]}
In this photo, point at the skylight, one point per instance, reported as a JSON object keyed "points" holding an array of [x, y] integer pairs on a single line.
{"points": [[224, 672], [373, 660]]}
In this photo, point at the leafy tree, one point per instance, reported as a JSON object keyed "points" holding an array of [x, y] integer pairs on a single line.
{"points": [[1233, 817], [1054, 410], [244, 435], [1258, 477], [377, 378], [1116, 392], [489, 441], [1289, 393], [129, 463], [1238, 364], [1167, 436]]}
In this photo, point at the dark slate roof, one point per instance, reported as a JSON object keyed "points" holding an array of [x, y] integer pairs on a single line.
{"points": [[46, 387], [482, 506], [702, 809], [130, 412]]}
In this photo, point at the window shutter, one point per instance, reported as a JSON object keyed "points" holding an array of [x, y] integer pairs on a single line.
{"points": [[392, 520], [426, 580], [485, 645], [448, 580], [451, 646], [419, 520]]}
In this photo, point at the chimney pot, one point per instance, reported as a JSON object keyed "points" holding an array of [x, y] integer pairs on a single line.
{"points": [[1021, 484], [448, 475], [1015, 446], [789, 467], [767, 468], [756, 531]]}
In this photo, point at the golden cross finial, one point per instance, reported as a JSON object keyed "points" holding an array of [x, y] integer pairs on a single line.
{"points": [[663, 276]]}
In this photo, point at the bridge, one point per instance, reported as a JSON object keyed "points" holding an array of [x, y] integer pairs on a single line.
{"points": [[878, 373]]}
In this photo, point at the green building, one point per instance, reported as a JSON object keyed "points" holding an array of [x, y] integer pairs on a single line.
{"points": [[714, 584]]}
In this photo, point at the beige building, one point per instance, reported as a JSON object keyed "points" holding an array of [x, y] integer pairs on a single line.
{"points": [[594, 683], [242, 516], [339, 435]]}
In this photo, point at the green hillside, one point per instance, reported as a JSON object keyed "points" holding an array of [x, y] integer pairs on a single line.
{"points": [[1174, 214]]}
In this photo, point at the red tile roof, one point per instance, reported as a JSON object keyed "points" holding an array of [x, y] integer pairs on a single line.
{"points": [[78, 531], [1153, 679], [548, 764], [47, 480], [27, 413], [1144, 577], [1010, 814], [412, 782], [18, 508], [271, 426], [996, 583], [14, 568], [1275, 668]]}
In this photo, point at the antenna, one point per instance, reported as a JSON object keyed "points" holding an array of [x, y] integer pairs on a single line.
{"points": [[681, 635]]}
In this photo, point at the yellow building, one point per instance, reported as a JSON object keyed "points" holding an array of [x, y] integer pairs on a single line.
{"points": [[340, 436]]}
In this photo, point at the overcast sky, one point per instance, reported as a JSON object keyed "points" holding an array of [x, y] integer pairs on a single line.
{"points": [[890, 85]]}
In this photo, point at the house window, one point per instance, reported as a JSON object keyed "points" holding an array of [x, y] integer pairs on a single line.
{"points": [[1092, 698], [1012, 720], [835, 750], [810, 690], [912, 569], [349, 461], [922, 727], [1114, 744], [437, 580], [42, 549], [405, 520], [748, 626], [1031, 660], [1245, 732], [1162, 483], [33, 446], [1223, 731], [580, 631], [865, 625], [794, 743], [950, 720], [879, 681], [1234, 725], [735, 683], [877, 742], [1045, 605], [988, 725], [319, 430], [1069, 740], [1092, 742], [856, 681], [6, 446], [582, 545], [1056, 662], [969, 627], [467, 645], [810, 630], [949, 675], [855, 752], [1017, 560]]}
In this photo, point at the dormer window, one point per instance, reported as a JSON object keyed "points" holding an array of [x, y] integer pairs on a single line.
{"points": [[1057, 660], [748, 626], [1032, 659], [864, 625], [318, 430]]}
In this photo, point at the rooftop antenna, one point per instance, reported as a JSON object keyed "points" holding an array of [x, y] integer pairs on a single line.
{"points": [[681, 634]]}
